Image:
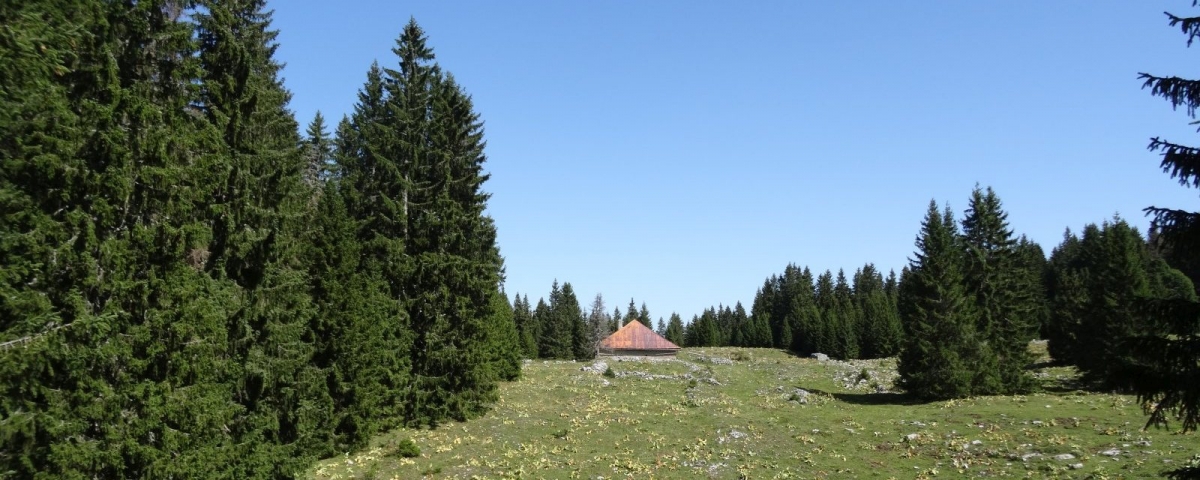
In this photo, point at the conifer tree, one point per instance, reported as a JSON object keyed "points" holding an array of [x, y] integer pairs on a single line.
{"points": [[549, 339], [675, 330], [847, 314], [1067, 294], [258, 219], [503, 347], [318, 152], [526, 327], [1005, 296], [1165, 355], [880, 325], [941, 352], [828, 333], [597, 324]]}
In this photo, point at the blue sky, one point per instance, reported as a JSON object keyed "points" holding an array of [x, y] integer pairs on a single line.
{"points": [[679, 152]]}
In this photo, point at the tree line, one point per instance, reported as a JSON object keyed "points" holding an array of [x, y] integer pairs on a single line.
{"points": [[190, 287], [960, 316], [562, 329]]}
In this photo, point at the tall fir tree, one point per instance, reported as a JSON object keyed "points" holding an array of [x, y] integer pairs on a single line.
{"points": [[526, 327], [941, 353], [675, 330], [847, 314], [880, 328], [597, 324], [1165, 363], [1004, 294]]}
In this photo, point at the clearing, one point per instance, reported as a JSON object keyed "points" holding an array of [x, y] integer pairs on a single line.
{"points": [[729, 413]]}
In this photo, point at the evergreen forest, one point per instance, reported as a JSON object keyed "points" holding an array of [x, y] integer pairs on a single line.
{"points": [[193, 284]]}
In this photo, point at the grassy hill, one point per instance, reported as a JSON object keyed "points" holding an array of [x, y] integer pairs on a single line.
{"points": [[731, 413]]}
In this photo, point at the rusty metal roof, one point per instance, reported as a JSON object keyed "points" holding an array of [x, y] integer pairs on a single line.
{"points": [[635, 336]]}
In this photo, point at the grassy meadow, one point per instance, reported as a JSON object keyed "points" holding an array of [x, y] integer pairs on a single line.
{"points": [[731, 413]]}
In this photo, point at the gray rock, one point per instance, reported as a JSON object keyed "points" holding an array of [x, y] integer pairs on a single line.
{"points": [[1027, 456], [821, 357], [1112, 452], [912, 437], [1076, 466], [798, 395], [1064, 456], [596, 367]]}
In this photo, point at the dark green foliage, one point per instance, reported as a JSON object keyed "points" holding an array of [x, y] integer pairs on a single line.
{"points": [[570, 313], [1166, 354], [190, 289], [675, 330], [556, 332], [318, 152], [1100, 284], [526, 326], [1007, 297], [703, 330], [880, 331], [826, 334], [408, 449], [847, 314], [942, 355], [503, 344]]}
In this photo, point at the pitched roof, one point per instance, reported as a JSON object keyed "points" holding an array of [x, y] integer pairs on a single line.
{"points": [[635, 336]]}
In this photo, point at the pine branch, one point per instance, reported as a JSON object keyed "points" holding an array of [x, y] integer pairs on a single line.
{"points": [[1177, 90], [1180, 161]]}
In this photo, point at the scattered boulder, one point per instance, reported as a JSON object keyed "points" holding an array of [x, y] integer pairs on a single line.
{"points": [[596, 367], [1112, 452], [1076, 466], [798, 395], [821, 357], [1064, 456]]}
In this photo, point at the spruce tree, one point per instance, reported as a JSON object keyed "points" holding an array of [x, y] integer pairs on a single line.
{"points": [[1067, 294], [503, 348], [597, 324], [941, 351], [880, 325], [847, 314], [1005, 295], [258, 221], [549, 339], [675, 332], [526, 327], [318, 152], [1117, 282], [828, 332]]}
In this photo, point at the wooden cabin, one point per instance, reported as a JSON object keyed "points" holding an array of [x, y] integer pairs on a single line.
{"points": [[635, 339]]}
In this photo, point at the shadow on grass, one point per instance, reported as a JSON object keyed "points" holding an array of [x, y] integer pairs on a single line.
{"points": [[888, 398]]}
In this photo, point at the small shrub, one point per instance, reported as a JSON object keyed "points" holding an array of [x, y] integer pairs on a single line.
{"points": [[741, 356], [408, 449], [431, 470], [608, 372], [864, 375], [692, 383], [560, 434]]}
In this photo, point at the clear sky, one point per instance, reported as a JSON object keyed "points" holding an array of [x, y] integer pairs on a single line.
{"points": [[679, 152]]}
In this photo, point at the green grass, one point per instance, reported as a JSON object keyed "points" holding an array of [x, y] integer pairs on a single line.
{"points": [[559, 422]]}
